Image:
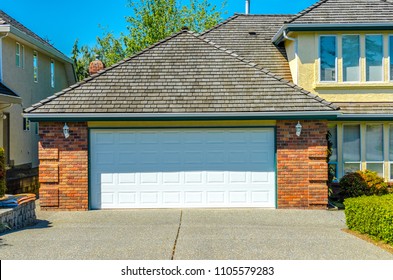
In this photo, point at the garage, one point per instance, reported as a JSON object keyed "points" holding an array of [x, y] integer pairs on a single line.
{"points": [[176, 168]]}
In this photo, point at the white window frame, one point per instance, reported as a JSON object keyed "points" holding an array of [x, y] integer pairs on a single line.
{"points": [[365, 59], [335, 61], [389, 58], [360, 59]]}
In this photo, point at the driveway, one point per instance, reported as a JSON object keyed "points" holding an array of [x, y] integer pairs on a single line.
{"points": [[188, 234]]}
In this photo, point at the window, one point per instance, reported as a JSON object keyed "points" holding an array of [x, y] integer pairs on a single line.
{"points": [[374, 148], [35, 66], [351, 148], [17, 55], [333, 156], [351, 58], [391, 58], [37, 128], [374, 58], [391, 150], [22, 57], [26, 124], [52, 73], [327, 54]]}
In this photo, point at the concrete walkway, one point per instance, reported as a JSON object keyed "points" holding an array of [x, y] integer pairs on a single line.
{"points": [[188, 234]]}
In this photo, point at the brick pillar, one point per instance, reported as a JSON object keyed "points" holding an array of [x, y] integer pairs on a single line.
{"points": [[301, 165], [63, 170]]}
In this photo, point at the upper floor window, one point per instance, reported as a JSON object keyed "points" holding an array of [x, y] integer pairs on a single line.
{"points": [[374, 58], [328, 58], [52, 73], [351, 58], [35, 66], [19, 55]]}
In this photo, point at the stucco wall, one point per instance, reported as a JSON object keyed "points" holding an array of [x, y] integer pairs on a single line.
{"points": [[306, 70], [23, 144]]}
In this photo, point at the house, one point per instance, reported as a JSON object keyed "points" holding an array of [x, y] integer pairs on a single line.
{"points": [[31, 69], [234, 117]]}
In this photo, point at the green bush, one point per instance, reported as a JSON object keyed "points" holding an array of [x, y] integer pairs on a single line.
{"points": [[372, 215], [3, 187], [376, 184], [353, 185]]}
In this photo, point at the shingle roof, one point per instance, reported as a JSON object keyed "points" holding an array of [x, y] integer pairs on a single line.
{"points": [[250, 36], [6, 19], [6, 91], [183, 74], [346, 11], [377, 108]]}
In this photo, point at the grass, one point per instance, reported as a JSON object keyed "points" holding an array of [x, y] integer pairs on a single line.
{"points": [[371, 239]]}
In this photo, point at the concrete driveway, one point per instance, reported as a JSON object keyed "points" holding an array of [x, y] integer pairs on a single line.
{"points": [[188, 234]]}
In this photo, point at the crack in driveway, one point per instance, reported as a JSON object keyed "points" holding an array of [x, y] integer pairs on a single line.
{"points": [[177, 235]]}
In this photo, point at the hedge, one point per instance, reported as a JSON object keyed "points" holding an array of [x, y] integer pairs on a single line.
{"points": [[3, 187], [371, 215]]}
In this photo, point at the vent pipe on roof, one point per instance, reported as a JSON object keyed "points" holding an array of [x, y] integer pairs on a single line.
{"points": [[247, 7]]}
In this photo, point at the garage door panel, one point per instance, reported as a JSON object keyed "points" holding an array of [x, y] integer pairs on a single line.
{"points": [[182, 168]]}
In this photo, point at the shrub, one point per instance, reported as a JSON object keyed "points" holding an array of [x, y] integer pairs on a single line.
{"points": [[353, 185], [376, 184], [3, 187], [371, 215]]}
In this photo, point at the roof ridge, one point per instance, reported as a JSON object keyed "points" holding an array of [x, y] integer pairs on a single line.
{"points": [[268, 72], [306, 10], [219, 25], [101, 72]]}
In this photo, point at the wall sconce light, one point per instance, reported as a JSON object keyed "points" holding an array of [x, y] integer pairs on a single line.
{"points": [[298, 129], [66, 131]]}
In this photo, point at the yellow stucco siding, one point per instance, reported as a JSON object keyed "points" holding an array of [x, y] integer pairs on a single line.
{"points": [[305, 66], [147, 124]]}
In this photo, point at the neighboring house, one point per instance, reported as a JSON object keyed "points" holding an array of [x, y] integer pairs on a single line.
{"points": [[234, 117], [30, 70]]}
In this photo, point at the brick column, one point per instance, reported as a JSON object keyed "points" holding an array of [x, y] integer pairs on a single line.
{"points": [[301, 165], [63, 170]]}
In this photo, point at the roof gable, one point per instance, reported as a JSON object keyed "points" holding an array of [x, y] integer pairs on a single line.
{"points": [[346, 11], [182, 74]]}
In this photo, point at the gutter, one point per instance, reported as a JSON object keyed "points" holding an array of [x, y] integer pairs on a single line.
{"points": [[10, 99], [133, 116], [286, 28]]}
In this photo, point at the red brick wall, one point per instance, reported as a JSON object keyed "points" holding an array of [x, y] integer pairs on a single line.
{"points": [[63, 170], [301, 165]]}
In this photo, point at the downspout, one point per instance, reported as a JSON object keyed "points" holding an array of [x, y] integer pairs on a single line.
{"points": [[285, 35], [1, 55]]}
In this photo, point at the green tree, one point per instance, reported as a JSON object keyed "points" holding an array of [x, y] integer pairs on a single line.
{"points": [[152, 21]]}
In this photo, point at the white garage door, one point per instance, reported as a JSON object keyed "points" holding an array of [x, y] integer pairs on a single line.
{"points": [[182, 168]]}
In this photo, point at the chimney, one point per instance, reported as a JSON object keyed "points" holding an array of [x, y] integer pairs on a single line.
{"points": [[248, 7], [96, 66]]}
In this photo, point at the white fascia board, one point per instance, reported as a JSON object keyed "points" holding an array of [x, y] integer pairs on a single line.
{"points": [[40, 45], [10, 99], [93, 116], [278, 37]]}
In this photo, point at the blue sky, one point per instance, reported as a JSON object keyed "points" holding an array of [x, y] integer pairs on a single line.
{"points": [[64, 21]]}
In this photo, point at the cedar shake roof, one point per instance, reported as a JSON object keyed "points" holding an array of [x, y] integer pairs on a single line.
{"points": [[346, 11], [250, 36], [183, 74], [382, 108], [6, 91]]}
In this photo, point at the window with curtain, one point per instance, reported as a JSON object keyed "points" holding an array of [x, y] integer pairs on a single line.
{"points": [[374, 148], [351, 148]]}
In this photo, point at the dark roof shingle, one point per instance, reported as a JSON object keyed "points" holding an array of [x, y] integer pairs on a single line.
{"points": [[250, 36], [183, 74], [346, 11]]}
